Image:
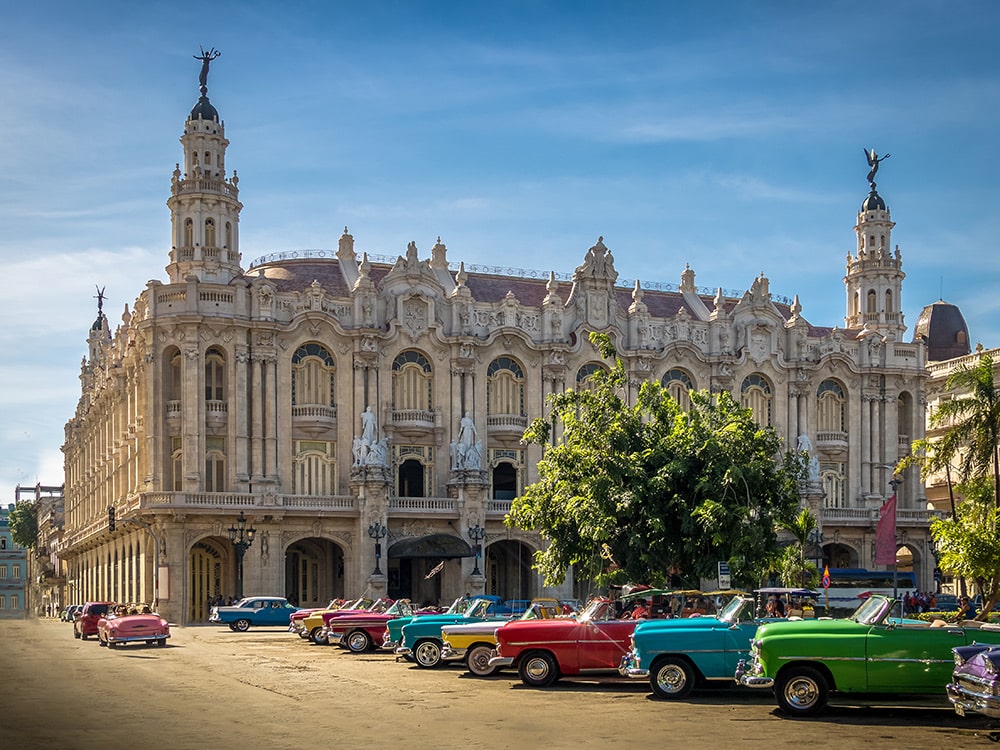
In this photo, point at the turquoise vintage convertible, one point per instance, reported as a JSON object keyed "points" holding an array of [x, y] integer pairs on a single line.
{"points": [[676, 655], [869, 653]]}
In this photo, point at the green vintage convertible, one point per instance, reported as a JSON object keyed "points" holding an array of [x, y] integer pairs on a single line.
{"points": [[869, 653]]}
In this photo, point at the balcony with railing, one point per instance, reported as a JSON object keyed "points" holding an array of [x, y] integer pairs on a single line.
{"points": [[446, 507], [831, 440], [414, 422], [506, 425], [314, 418]]}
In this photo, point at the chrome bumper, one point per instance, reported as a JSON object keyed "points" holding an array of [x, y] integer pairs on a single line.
{"points": [[500, 662], [966, 701], [629, 667], [748, 675], [402, 651], [136, 638], [335, 638], [452, 654]]}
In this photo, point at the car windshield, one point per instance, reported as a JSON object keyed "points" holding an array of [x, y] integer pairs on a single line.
{"points": [[738, 608], [871, 611], [597, 610], [479, 608], [401, 608]]}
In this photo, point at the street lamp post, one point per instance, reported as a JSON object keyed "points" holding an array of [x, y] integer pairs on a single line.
{"points": [[241, 538], [377, 532], [477, 533]]}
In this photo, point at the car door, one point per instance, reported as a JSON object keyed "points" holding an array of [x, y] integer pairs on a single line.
{"points": [[910, 659], [603, 644]]}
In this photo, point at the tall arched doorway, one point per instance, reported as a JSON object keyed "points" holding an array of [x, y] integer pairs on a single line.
{"points": [[206, 561], [314, 572], [418, 567]]}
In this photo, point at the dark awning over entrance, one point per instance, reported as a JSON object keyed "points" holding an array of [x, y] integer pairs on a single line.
{"points": [[433, 545]]}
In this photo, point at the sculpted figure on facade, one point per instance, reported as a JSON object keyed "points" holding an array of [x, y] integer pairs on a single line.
{"points": [[805, 446]]}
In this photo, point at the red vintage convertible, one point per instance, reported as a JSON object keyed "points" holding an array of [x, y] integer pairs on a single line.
{"points": [[542, 651], [364, 630], [117, 629]]}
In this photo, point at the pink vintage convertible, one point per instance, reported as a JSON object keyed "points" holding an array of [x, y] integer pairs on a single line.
{"points": [[119, 629]]}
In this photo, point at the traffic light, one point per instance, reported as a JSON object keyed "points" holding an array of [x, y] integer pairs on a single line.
{"points": [[111, 518]]}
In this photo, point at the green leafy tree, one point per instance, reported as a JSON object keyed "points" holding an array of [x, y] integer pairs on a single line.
{"points": [[23, 521], [974, 435], [969, 546], [650, 492]]}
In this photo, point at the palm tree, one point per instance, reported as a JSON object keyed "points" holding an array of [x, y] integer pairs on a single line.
{"points": [[974, 435], [793, 567]]}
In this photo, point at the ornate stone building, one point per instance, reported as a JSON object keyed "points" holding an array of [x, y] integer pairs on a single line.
{"points": [[365, 414]]}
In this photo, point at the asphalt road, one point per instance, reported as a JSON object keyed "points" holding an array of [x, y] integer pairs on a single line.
{"points": [[212, 688]]}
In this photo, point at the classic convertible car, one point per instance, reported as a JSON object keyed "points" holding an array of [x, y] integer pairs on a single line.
{"points": [[315, 625], [545, 650], [676, 655], [360, 631], [975, 682], [295, 621], [869, 653], [421, 637], [394, 628], [144, 627], [475, 642], [254, 610]]}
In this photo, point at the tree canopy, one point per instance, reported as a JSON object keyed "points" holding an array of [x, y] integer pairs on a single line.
{"points": [[969, 546], [651, 492], [23, 521]]}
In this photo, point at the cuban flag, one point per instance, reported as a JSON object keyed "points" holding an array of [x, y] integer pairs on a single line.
{"points": [[826, 576]]}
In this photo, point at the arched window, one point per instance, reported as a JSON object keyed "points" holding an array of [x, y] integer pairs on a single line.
{"points": [[584, 374], [313, 373], [834, 485], [313, 468], [888, 300], [755, 394], [504, 387], [229, 234], [215, 375], [412, 379], [411, 478], [679, 386], [215, 464], [188, 233], [504, 481], [209, 232], [176, 464], [831, 407], [872, 301]]}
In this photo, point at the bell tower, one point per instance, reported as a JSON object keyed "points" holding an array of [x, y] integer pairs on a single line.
{"points": [[874, 278], [204, 203]]}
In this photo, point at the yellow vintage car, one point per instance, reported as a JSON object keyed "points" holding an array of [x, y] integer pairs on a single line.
{"points": [[474, 642]]}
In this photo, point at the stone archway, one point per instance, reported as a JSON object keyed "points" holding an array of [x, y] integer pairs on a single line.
{"points": [[314, 572], [211, 576], [418, 566]]}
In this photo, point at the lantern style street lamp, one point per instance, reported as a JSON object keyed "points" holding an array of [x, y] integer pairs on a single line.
{"points": [[377, 532], [477, 533], [241, 538]]}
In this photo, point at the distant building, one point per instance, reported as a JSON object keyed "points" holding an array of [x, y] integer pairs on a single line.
{"points": [[13, 571], [47, 592], [364, 414]]}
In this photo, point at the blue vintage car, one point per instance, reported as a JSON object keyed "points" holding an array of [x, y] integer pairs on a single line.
{"points": [[421, 637], [254, 610], [394, 630], [676, 655]]}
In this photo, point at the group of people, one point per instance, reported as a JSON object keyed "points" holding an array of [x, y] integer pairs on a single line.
{"points": [[919, 601], [221, 601]]}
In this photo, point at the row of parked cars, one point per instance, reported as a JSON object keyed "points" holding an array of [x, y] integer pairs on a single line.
{"points": [[803, 660], [118, 624]]}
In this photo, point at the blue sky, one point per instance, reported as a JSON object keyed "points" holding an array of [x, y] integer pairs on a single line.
{"points": [[727, 135]]}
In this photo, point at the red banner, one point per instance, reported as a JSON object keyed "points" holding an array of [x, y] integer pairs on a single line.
{"points": [[885, 534]]}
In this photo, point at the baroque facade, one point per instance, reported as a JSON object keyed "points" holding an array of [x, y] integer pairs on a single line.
{"points": [[364, 414]]}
